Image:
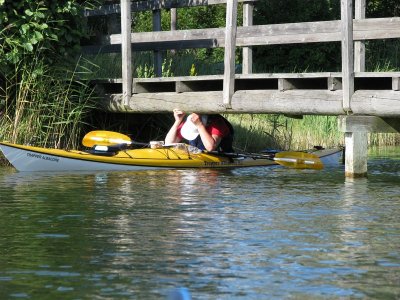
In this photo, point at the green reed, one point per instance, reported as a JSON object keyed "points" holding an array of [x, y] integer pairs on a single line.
{"points": [[256, 132], [44, 105]]}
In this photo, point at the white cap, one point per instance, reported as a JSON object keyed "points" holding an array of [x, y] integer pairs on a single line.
{"points": [[189, 130]]}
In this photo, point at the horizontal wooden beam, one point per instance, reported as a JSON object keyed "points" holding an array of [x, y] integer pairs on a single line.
{"points": [[382, 103], [362, 76], [291, 33], [292, 102], [368, 124], [383, 82], [147, 5], [378, 28]]}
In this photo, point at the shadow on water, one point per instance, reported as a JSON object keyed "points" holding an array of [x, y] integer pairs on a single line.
{"points": [[222, 234]]}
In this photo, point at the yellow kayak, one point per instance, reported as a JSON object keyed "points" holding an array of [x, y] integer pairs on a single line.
{"points": [[30, 158]]}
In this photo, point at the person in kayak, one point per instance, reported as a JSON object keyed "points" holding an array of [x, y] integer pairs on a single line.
{"points": [[206, 132]]}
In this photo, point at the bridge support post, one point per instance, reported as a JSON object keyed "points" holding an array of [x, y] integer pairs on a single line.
{"points": [[356, 154], [356, 129]]}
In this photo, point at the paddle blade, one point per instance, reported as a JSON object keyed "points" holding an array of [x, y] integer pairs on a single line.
{"points": [[298, 160], [104, 138]]}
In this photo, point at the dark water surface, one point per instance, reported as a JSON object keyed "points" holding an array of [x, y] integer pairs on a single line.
{"points": [[256, 233]]}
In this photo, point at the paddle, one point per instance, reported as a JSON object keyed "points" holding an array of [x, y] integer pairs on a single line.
{"points": [[298, 160], [108, 138], [291, 159]]}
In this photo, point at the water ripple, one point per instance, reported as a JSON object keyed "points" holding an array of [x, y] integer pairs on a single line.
{"points": [[251, 233]]}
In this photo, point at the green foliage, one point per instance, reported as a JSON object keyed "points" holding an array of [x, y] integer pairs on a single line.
{"points": [[286, 58], [193, 71], [200, 17], [383, 8], [147, 71], [51, 27], [260, 131], [44, 105]]}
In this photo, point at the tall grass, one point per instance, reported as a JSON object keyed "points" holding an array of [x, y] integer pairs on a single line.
{"points": [[44, 105], [256, 132]]}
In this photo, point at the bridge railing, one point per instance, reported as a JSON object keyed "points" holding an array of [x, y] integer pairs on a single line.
{"points": [[350, 32]]}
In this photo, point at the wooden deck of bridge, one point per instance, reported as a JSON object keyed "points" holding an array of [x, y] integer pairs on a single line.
{"points": [[365, 101], [376, 94]]}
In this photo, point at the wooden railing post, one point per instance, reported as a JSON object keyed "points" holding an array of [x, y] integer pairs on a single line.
{"points": [[347, 53], [174, 20], [157, 53], [247, 63], [229, 57], [126, 50], [359, 46]]}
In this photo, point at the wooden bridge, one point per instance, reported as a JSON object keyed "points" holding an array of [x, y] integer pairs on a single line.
{"points": [[365, 101]]}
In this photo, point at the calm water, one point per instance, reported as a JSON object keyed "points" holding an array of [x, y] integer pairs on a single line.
{"points": [[259, 233]]}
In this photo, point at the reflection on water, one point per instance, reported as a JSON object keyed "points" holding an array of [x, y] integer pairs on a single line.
{"points": [[221, 234]]}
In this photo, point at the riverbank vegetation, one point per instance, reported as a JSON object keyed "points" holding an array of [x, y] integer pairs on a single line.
{"points": [[46, 98], [42, 99], [44, 106], [256, 132]]}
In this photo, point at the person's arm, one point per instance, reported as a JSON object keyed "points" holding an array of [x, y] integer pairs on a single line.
{"points": [[172, 135], [210, 142]]}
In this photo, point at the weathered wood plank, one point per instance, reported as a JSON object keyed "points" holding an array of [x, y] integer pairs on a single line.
{"points": [[368, 124], [292, 102], [157, 54], [347, 53], [334, 83], [182, 78], [396, 84], [379, 28], [126, 49], [200, 78], [325, 31], [356, 154], [166, 102], [229, 57], [377, 74], [254, 101], [289, 75], [359, 46], [285, 85], [376, 103], [247, 60], [308, 32]]}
